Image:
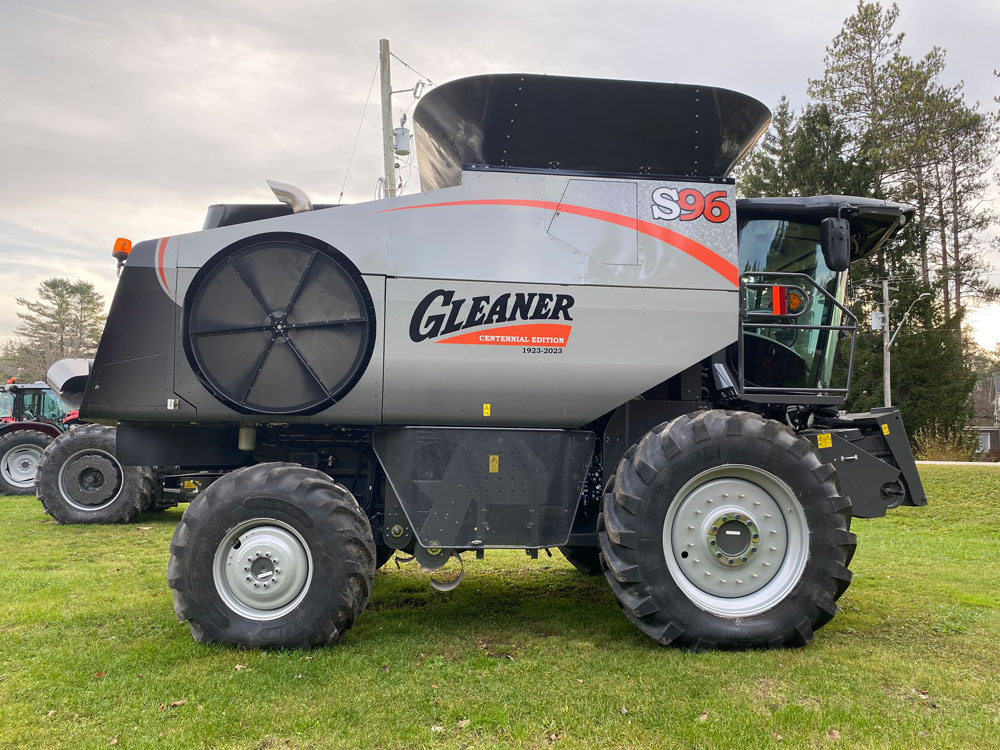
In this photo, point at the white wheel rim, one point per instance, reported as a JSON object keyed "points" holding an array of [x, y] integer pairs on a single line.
{"points": [[262, 569], [19, 465], [757, 509]]}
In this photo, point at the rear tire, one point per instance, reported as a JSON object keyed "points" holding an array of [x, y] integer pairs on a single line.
{"points": [[272, 555], [585, 559], [772, 579], [80, 480], [20, 454]]}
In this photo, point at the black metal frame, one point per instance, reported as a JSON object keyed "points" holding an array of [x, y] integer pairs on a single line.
{"points": [[779, 394]]}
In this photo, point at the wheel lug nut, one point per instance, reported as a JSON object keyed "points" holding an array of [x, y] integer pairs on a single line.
{"points": [[718, 554], [248, 578], [277, 570], [743, 559], [256, 585]]}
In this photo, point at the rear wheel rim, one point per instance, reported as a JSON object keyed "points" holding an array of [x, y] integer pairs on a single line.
{"points": [[20, 464], [736, 540], [91, 480], [262, 569]]}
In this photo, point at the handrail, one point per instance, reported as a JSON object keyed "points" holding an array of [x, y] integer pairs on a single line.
{"points": [[752, 319]]}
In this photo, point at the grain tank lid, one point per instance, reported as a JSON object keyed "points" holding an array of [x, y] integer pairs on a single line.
{"points": [[524, 121]]}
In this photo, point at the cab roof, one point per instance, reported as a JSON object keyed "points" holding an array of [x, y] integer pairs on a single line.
{"points": [[873, 221]]}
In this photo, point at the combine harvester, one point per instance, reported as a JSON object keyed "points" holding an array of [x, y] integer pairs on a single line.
{"points": [[576, 337]]}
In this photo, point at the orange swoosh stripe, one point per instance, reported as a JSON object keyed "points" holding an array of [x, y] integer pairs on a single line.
{"points": [[530, 334], [675, 239], [159, 262]]}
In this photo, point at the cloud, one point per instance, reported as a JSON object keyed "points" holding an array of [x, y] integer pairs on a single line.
{"points": [[128, 119]]}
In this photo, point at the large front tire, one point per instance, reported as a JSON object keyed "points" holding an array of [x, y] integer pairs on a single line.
{"points": [[724, 530], [272, 555], [80, 481], [20, 453]]}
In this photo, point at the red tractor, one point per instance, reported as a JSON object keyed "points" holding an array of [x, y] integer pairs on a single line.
{"points": [[31, 417]]}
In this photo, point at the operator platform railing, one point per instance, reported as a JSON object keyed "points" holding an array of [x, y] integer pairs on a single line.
{"points": [[757, 320]]}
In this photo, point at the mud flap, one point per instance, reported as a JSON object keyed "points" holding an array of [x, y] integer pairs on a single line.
{"points": [[873, 459]]}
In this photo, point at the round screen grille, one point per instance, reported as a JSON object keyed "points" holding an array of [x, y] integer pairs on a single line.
{"points": [[278, 327]]}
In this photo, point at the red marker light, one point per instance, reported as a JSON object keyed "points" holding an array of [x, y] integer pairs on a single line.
{"points": [[779, 300]]}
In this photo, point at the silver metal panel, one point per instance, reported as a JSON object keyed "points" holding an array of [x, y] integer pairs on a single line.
{"points": [[357, 230], [604, 241], [474, 232], [633, 325], [505, 226], [664, 263], [620, 343]]}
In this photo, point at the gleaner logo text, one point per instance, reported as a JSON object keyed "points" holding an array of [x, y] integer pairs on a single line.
{"points": [[439, 314]]}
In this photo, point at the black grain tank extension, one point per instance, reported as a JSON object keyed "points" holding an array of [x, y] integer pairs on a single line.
{"points": [[527, 122]]}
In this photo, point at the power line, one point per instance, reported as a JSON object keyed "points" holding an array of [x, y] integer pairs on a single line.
{"points": [[407, 65], [357, 135]]}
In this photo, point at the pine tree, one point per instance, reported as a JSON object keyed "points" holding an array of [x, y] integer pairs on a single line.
{"points": [[64, 322], [766, 171]]}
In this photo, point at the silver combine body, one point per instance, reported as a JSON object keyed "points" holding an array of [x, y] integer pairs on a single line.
{"points": [[540, 350]]}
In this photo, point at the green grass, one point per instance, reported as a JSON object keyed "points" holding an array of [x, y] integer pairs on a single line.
{"points": [[524, 653]]}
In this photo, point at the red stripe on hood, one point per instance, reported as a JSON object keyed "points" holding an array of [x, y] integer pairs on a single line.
{"points": [[675, 239]]}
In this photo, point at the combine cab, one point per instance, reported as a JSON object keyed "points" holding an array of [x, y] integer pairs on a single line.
{"points": [[576, 337]]}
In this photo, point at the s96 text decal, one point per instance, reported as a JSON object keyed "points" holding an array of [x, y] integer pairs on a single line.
{"points": [[670, 204]]}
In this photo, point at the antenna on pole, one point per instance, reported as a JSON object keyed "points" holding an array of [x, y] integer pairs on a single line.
{"points": [[388, 157]]}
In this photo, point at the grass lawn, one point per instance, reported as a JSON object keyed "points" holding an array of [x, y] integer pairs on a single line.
{"points": [[524, 653]]}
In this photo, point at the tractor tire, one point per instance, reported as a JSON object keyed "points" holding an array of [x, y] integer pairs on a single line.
{"points": [[81, 481], [725, 530], [20, 453], [272, 555], [585, 559]]}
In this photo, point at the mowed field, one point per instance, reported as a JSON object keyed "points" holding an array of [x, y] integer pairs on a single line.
{"points": [[525, 653]]}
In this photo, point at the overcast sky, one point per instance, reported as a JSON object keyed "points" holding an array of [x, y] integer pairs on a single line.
{"points": [[122, 118]]}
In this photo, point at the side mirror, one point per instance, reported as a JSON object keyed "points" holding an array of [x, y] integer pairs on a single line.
{"points": [[835, 238]]}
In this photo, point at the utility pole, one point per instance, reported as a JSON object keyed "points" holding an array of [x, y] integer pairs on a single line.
{"points": [[886, 381], [388, 154], [888, 337]]}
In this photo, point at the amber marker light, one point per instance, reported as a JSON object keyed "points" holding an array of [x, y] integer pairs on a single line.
{"points": [[796, 302], [121, 249]]}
